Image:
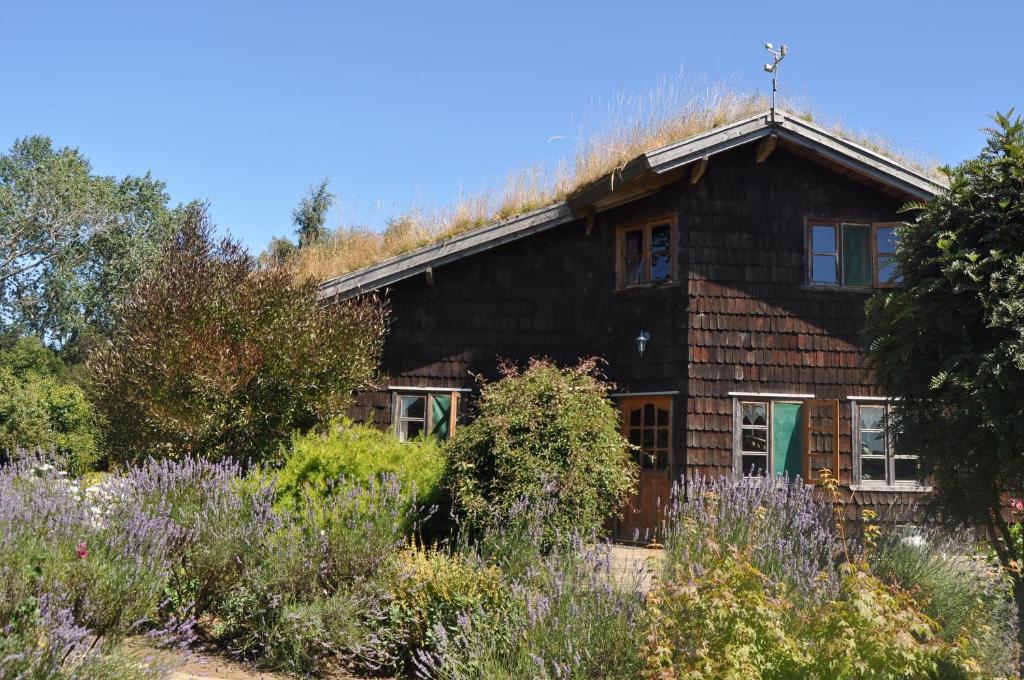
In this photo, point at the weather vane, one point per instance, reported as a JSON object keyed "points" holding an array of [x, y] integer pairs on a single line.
{"points": [[773, 68]]}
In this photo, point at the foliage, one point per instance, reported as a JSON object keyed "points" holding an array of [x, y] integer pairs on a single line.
{"points": [[217, 357], [433, 589], [544, 432], [363, 453], [72, 569], [949, 343], [41, 408], [310, 215], [566, 619], [956, 586], [74, 242], [311, 592], [786, 528], [723, 617]]}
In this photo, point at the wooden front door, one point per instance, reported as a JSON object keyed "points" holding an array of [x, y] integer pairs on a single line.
{"points": [[647, 425]]}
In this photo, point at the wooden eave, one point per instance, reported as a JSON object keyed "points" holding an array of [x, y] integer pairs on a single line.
{"points": [[642, 176]]}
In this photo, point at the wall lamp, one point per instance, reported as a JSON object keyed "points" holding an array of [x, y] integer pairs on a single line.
{"points": [[641, 342]]}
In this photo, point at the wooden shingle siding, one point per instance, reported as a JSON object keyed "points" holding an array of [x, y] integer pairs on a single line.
{"points": [[739, 317]]}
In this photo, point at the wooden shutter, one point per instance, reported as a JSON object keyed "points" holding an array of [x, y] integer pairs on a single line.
{"points": [[821, 438]]}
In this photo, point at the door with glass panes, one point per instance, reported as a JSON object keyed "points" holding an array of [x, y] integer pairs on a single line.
{"points": [[647, 425]]}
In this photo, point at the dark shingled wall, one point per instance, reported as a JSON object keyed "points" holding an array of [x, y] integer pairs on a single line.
{"points": [[740, 319]]}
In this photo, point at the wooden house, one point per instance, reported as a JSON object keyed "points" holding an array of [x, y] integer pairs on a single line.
{"points": [[741, 260]]}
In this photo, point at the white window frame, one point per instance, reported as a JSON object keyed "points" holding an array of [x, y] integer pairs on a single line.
{"points": [[427, 394], [891, 456], [769, 399]]}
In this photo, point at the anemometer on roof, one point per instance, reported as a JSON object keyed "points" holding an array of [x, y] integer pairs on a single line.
{"points": [[773, 68]]}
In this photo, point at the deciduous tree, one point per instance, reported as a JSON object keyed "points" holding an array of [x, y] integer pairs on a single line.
{"points": [[219, 357]]}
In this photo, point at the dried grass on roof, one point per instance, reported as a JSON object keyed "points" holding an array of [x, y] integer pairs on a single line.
{"points": [[631, 127]]}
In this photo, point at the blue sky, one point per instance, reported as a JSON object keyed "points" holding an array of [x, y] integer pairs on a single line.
{"points": [[247, 104]]}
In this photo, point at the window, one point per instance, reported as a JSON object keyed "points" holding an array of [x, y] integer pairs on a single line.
{"points": [[877, 464], [646, 253], [754, 437], [422, 413], [851, 254], [648, 426], [784, 434]]}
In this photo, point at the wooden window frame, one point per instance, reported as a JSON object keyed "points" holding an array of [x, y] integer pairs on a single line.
{"points": [[646, 226], [428, 412], [837, 224], [891, 456], [875, 253]]}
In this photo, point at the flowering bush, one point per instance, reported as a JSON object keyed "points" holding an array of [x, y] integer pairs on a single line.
{"points": [[793, 539]]}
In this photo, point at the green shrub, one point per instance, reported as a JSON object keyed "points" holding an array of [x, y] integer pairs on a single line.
{"points": [[41, 408], [544, 432], [361, 453]]}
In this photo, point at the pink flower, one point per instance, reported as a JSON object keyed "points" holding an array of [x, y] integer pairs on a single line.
{"points": [[1017, 504], [82, 550]]}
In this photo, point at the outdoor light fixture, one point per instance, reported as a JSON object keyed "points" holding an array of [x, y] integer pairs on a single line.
{"points": [[641, 341]]}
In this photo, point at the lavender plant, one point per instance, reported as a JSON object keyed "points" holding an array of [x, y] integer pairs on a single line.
{"points": [[793, 539]]}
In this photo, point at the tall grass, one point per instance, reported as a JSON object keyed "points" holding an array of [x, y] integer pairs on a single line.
{"points": [[958, 586], [624, 127]]}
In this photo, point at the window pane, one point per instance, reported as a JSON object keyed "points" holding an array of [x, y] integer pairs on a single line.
{"points": [[754, 413], [412, 429], [663, 416], [661, 267], [823, 239], [634, 437], [660, 238], [634, 243], [823, 269], [661, 460], [856, 255], [755, 440], [872, 443], [648, 414], [872, 469], [906, 470], [888, 270], [872, 417], [885, 239], [754, 465], [634, 271], [648, 441], [662, 442], [413, 407], [647, 460], [634, 417]]}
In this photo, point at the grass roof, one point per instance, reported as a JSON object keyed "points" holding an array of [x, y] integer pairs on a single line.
{"points": [[666, 116]]}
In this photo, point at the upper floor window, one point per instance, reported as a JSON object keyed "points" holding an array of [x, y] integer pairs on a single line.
{"points": [[646, 253], [877, 463], [851, 254]]}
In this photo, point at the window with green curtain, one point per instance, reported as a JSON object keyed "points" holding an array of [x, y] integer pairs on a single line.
{"points": [[857, 255], [440, 411]]}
